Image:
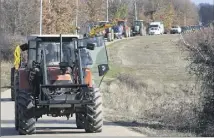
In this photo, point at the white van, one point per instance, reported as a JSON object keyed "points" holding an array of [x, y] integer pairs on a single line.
{"points": [[156, 28]]}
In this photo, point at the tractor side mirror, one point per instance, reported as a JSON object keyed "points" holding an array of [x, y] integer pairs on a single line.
{"points": [[103, 69], [90, 46]]}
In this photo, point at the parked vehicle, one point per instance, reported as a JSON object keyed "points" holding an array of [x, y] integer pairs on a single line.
{"points": [[156, 28], [126, 28], [154, 31], [175, 30], [138, 28], [108, 33]]}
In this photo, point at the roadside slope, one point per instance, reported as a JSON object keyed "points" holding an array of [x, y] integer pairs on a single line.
{"points": [[149, 87]]}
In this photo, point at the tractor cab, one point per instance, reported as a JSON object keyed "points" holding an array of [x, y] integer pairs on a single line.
{"points": [[56, 53]]}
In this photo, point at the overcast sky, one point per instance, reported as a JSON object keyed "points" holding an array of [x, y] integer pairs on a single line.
{"points": [[203, 1]]}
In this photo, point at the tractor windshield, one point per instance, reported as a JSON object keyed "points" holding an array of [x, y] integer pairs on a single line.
{"points": [[137, 23], [91, 59], [52, 52]]}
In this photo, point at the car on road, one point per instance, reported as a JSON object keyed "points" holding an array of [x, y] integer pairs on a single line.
{"points": [[175, 30], [154, 31], [156, 28]]}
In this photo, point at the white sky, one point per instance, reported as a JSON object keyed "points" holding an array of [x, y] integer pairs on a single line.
{"points": [[203, 1]]}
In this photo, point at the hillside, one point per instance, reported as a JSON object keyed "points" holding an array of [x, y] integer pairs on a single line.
{"points": [[150, 89]]}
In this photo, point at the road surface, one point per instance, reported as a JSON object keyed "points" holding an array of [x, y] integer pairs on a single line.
{"points": [[54, 126]]}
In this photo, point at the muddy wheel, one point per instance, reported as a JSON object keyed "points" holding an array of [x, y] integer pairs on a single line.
{"points": [[27, 119], [94, 117], [16, 92], [80, 121]]}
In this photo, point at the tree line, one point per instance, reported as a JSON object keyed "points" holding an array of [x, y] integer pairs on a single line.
{"points": [[22, 17]]}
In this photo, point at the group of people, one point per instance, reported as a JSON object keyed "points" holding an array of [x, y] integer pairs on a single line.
{"points": [[118, 29]]}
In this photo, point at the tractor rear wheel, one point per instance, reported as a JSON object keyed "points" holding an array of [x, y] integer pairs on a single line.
{"points": [[26, 108], [94, 117], [80, 120], [12, 83], [16, 92]]}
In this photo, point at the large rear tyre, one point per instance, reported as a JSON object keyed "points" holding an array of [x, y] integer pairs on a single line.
{"points": [[94, 117], [16, 92], [26, 108], [12, 83], [16, 117]]}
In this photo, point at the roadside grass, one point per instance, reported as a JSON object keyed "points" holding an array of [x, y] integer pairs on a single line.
{"points": [[5, 75], [129, 100], [155, 108]]}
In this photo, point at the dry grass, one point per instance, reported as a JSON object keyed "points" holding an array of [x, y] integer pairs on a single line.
{"points": [[5, 75], [157, 97], [160, 106]]}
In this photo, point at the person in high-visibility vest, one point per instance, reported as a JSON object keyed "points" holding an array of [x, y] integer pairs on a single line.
{"points": [[17, 54], [17, 57]]}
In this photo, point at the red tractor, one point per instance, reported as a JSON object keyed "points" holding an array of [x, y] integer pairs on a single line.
{"points": [[61, 78]]}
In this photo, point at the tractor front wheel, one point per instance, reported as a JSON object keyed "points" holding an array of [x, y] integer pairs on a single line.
{"points": [[26, 108], [94, 117], [80, 120]]}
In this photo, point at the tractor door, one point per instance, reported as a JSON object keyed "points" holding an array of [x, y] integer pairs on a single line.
{"points": [[94, 62]]}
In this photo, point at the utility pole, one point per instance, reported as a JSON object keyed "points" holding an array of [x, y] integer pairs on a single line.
{"points": [[185, 14], [107, 6], [77, 8], [41, 16], [49, 2], [135, 8]]}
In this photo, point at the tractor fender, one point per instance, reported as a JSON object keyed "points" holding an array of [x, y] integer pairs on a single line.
{"points": [[23, 79]]}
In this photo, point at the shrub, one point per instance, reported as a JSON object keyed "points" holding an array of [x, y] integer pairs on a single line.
{"points": [[201, 51]]}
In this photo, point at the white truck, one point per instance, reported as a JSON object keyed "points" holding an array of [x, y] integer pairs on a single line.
{"points": [[156, 28]]}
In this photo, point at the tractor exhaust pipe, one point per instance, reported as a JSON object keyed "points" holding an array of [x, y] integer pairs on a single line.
{"points": [[44, 67], [60, 48]]}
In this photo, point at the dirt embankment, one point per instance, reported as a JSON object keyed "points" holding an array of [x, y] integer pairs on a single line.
{"points": [[149, 88]]}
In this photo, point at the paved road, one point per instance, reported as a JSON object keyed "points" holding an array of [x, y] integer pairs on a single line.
{"points": [[54, 126], [49, 126]]}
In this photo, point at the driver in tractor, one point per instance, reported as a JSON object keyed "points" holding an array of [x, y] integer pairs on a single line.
{"points": [[53, 54]]}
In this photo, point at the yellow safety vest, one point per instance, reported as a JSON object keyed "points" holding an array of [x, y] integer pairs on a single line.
{"points": [[17, 57]]}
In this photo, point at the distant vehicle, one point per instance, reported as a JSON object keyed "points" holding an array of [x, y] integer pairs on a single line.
{"points": [[184, 29], [126, 28], [108, 33], [156, 28], [154, 31], [138, 28], [175, 30]]}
